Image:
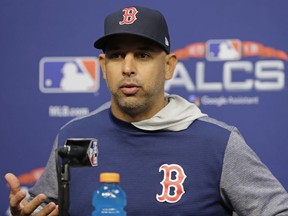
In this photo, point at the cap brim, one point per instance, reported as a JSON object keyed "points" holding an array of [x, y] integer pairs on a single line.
{"points": [[102, 42]]}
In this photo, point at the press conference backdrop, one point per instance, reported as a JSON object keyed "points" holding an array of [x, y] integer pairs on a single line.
{"points": [[232, 64]]}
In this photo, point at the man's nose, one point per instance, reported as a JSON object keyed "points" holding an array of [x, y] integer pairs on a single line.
{"points": [[128, 67]]}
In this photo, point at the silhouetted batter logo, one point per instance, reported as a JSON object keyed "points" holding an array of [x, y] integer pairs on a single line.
{"points": [[228, 49], [223, 50], [69, 75]]}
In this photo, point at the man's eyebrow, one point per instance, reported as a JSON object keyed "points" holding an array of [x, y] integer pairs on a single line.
{"points": [[148, 48]]}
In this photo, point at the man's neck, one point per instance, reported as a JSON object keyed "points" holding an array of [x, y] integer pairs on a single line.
{"points": [[137, 115]]}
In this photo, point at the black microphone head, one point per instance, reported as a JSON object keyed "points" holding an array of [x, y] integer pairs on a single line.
{"points": [[80, 152]]}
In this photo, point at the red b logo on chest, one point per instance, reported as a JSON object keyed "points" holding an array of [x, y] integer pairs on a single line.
{"points": [[172, 189], [129, 16]]}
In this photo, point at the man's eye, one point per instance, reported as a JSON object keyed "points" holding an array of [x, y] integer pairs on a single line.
{"points": [[114, 55], [143, 55]]}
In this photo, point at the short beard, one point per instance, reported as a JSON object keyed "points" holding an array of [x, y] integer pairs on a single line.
{"points": [[132, 109]]}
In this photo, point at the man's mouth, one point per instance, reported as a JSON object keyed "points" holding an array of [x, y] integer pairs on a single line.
{"points": [[129, 88]]}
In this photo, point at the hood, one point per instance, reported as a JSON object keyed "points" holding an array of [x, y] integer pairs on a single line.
{"points": [[177, 115]]}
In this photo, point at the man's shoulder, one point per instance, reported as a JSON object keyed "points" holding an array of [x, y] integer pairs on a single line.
{"points": [[213, 122], [211, 128], [96, 116]]}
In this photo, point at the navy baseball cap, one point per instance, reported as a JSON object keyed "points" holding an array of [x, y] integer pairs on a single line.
{"points": [[136, 20]]}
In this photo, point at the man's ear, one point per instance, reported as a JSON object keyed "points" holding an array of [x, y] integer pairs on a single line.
{"points": [[171, 62], [102, 60]]}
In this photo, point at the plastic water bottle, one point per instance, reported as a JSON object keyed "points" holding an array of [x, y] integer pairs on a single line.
{"points": [[109, 198]]}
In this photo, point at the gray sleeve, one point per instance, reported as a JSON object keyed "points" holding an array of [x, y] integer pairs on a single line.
{"points": [[47, 183], [247, 186]]}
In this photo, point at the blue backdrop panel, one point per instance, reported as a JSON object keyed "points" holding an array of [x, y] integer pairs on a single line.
{"points": [[232, 63]]}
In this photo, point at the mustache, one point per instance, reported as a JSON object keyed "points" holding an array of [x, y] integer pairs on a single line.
{"points": [[129, 80]]}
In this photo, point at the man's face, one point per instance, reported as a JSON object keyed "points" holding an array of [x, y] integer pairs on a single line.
{"points": [[135, 70]]}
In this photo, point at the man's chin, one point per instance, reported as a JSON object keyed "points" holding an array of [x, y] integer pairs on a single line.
{"points": [[132, 104]]}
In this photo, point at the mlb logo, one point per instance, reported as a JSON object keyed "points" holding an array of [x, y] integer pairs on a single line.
{"points": [[93, 153], [223, 50], [69, 75]]}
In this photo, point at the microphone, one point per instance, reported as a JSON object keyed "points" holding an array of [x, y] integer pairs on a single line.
{"points": [[72, 151], [80, 152]]}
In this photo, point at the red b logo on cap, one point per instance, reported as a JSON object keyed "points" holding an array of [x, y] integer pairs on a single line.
{"points": [[129, 16]]}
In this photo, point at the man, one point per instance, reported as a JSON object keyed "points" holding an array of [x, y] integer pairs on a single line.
{"points": [[173, 159]]}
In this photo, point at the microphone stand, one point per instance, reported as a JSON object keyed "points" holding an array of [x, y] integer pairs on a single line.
{"points": [[75, 153], [64, 188]]}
